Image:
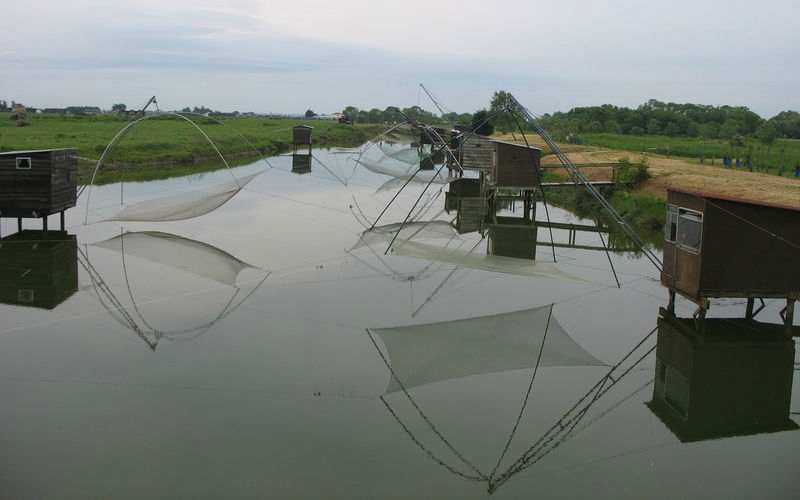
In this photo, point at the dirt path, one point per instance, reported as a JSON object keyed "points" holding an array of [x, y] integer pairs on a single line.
{"points": [[682, 173]]}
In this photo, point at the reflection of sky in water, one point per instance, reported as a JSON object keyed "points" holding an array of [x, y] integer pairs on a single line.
{"points": [[279, 397]]}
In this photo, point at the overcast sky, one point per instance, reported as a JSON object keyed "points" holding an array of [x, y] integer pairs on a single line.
{"points": [[286, 56]]}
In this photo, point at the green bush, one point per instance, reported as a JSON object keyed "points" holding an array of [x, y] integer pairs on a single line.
{"points": [[628, 175]]}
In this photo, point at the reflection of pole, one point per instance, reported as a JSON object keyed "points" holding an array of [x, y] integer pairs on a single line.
{"points": [[560, 431]]}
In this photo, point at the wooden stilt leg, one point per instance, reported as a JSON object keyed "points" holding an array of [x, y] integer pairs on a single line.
{"points": [[787, 314]]}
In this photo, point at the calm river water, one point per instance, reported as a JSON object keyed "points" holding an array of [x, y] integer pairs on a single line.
{"points": [[257, 352]]}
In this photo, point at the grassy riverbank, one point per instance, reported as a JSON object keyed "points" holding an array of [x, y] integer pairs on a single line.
{"points": [[643, 204], [167, 145], [751, 154]]}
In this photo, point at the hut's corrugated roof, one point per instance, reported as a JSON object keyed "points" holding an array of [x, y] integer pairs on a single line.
{"points": [[712, 196]]}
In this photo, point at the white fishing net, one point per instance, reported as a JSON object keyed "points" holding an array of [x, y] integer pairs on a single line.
{"points": [[398, 169], [185, 205], [410, 156], [433, 352]]}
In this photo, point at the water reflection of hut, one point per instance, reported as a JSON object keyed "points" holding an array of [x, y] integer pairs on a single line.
{"points": [[718, 246], [512, 237], [35, 184], [39, 268], [733, 379], [464, 197], [301, 136], [301, 164]]}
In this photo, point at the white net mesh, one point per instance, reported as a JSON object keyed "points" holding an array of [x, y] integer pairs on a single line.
{"points": [[183, 206], [174, 251], [433, 352]]}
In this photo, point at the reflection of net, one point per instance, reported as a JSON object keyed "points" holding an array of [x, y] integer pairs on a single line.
{"points": [[181, 253], [183, 206], [176, 252], [494, 263], [417, 230], [431, 241], [421, 354]]}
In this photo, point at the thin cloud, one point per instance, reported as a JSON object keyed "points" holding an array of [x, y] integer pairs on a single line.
{"points": [[328, 55]]}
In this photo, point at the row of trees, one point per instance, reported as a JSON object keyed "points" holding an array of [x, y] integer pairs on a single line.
{"points": [[651, 118], [393, 114], [675, 120]]}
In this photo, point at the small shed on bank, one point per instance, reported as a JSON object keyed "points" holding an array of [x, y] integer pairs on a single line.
{"points": [[301, 136], [515, 165], [433, 135], [718, 246], [476, 152], [35, 184]]}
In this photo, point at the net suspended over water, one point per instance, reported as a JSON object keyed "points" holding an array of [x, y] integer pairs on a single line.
{"points": [[419, 240], [433, 352], [195, 257], [184, 205], [400, 169], [400, 154]]}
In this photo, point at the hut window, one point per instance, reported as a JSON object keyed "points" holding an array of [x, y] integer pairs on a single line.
{"points": [[23, 163], [24, 295], [671, 225], [689, 230]]}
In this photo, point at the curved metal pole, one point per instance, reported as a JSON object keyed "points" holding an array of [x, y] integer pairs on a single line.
{"points": [[111, 145]]}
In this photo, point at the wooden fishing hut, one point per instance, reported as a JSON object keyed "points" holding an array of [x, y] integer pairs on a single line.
{"points": [[433, 136], [475, 152], [733, 378], [301, 136], [514, 174], [39, 183], [718, 246], [515, 165], [39, 268]]}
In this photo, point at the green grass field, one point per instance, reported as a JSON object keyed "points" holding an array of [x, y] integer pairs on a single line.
{"points": [[167, 145], [711, 151]]}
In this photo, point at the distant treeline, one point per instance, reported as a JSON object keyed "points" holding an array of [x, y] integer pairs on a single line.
{"points": [[651, 118], [393, 114], [674, 120]]}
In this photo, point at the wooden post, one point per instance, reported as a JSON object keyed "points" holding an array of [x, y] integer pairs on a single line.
{"points": [[787, 314], [671, 303]]}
